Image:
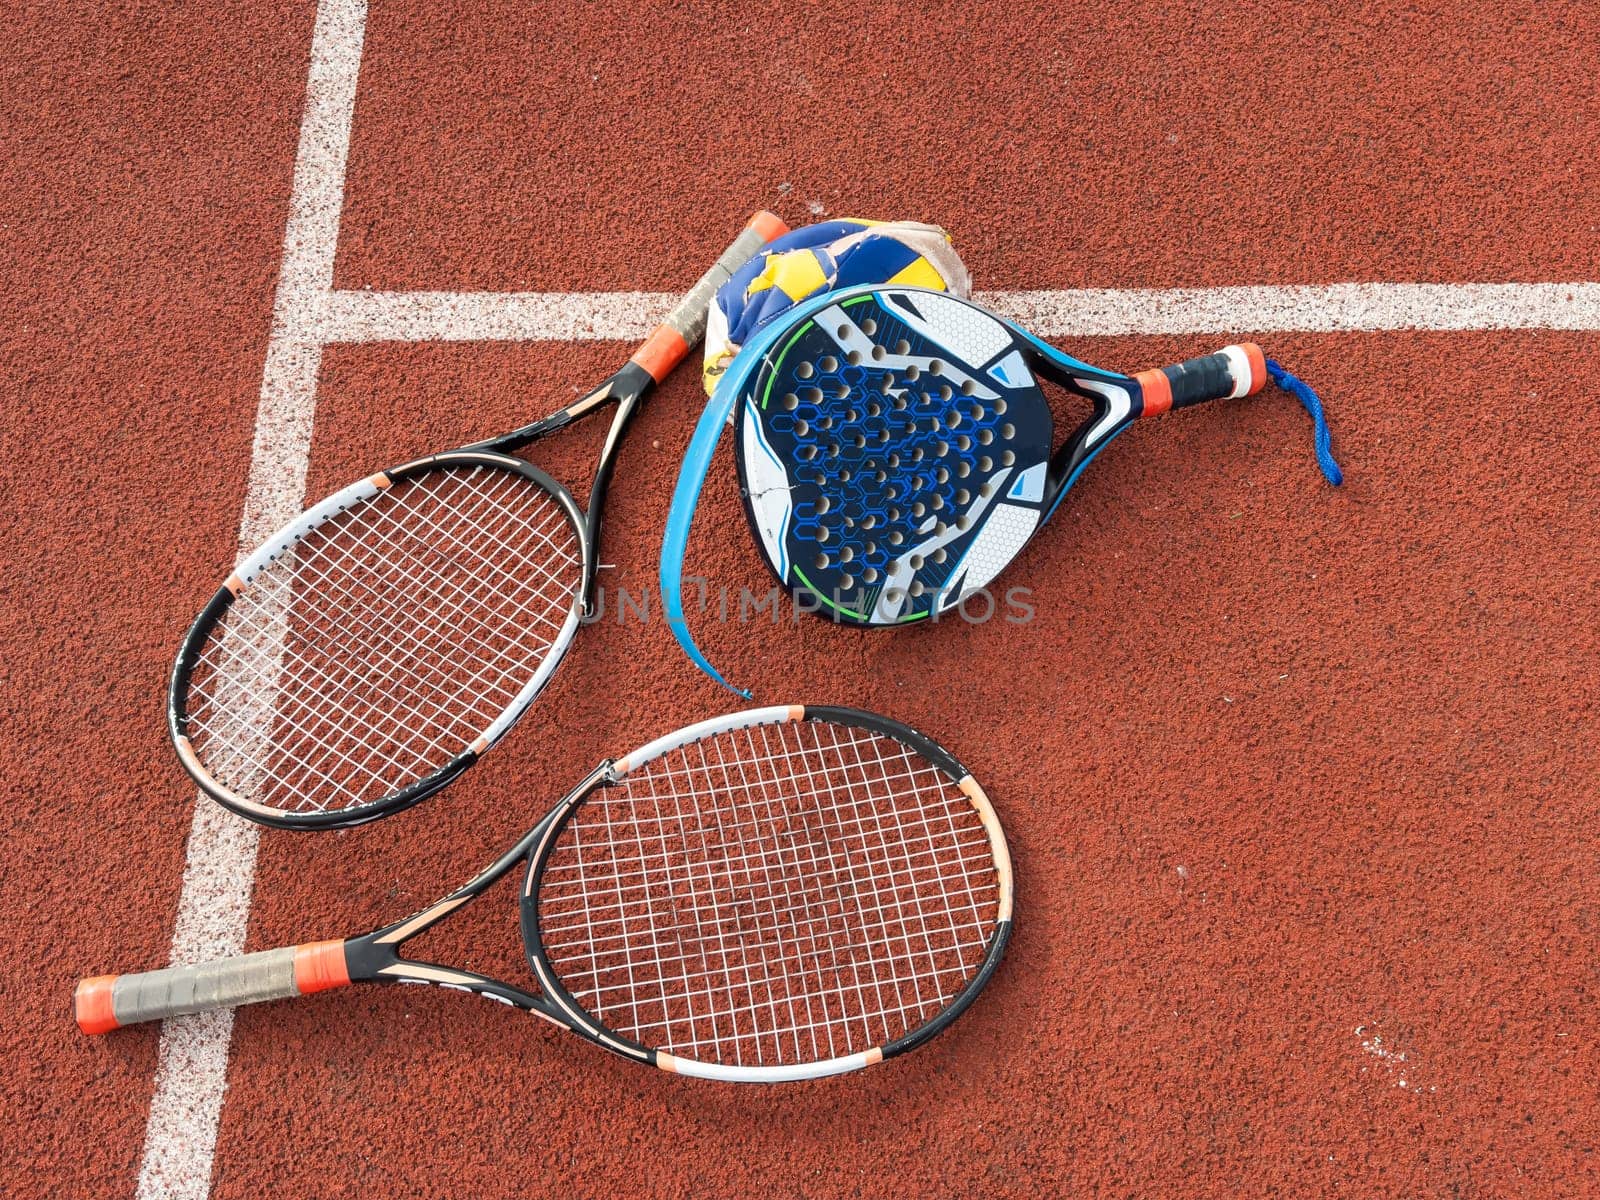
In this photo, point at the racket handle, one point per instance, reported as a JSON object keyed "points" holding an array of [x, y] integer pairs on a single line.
{"points": [[686, 323], [108, 1002], [1232, 371]]}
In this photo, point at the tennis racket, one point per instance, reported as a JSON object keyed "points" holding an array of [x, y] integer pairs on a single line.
{"points": [[782, 893], [895, 451], [376, 646]]}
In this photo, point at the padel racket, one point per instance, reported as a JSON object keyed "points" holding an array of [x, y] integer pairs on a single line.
{"points": [[778, 894], [377, 645], [896, 452]]}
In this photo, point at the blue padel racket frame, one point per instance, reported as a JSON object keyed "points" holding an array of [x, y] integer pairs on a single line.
{"points": [[895, 449]]}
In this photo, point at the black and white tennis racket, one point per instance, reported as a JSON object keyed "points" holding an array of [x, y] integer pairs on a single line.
{"points": [[378, 644], [782, 893]]}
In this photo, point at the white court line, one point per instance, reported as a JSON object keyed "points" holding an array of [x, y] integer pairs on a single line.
{"points": [[1327, 308], [214, 907], [219, 874], [1080, 312]]}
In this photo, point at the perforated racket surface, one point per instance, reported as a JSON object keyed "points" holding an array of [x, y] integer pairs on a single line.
{"points": [[895, 448]]}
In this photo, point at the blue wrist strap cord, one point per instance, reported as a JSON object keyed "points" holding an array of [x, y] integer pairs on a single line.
{"points": [[697, 464], [1319, 423], [675, 542]]}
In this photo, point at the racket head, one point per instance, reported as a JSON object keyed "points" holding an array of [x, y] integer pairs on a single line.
{"points": [[373, 648], [893, 451], [783, 893]]}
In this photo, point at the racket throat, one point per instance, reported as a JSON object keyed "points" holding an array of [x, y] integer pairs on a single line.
{"points": [[628, 388], [518, 438], [366, 957], [1118, 402]]}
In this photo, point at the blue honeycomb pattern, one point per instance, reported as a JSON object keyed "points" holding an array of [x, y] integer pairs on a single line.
{"points": [[891, 442]]}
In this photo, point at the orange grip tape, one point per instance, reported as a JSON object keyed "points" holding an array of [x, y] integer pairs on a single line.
{"points": [[1157, 391], [662, 350], [91, 1004], [319, 966]]}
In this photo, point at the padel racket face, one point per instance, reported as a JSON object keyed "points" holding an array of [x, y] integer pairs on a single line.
{"points": [[893, 452], [781, 893]]}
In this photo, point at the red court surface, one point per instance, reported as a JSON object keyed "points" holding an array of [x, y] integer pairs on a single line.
{"points": [[1300, 784]]}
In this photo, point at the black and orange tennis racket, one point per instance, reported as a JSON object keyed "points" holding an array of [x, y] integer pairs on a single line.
{"points": [[782, 893], [376, 646]]}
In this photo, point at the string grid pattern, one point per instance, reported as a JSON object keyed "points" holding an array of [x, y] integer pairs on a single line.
{"points": [[379, 646], [771, 895]]}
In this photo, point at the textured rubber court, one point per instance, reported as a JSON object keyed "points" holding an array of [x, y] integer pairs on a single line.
{"points": [[1300, 783]]}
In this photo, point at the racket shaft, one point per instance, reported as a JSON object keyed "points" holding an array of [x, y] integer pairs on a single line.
{"points": [[111, 1001], [1230, 372]]}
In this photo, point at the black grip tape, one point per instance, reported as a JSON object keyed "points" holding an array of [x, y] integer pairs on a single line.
{"points": [[1208, 377]]}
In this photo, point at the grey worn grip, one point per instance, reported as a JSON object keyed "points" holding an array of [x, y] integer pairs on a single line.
{"points": [[226, 983], [688, 319]]}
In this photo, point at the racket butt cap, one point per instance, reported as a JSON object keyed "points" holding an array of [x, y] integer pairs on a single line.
{"points": [[91, 1005], [1258, 366], [769, 225]]}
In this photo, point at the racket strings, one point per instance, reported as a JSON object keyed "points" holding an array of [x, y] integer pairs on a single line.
{"points": [[770, 895], [413, 677], [973, 856], [808, 946], [396, 676], [929, 855], [383, 643], [971, 850], [376, 639]]}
